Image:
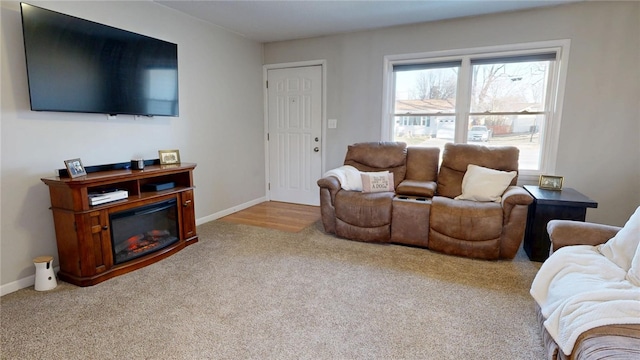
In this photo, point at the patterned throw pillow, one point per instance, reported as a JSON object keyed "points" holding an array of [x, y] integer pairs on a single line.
{"points": [[377, 181]]}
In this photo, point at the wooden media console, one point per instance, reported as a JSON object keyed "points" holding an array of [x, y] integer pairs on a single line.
{"points": [[83, 232]]}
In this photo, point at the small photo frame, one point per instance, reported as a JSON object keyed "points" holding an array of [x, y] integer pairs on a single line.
{"points": [[75, 168], [550, 182], [168, 157]]}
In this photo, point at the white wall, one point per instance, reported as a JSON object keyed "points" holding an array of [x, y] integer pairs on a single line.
{"points": [[220, 126], [599, 150]]}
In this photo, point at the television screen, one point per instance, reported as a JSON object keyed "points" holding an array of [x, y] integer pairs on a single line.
{"points": [[76, 65]]}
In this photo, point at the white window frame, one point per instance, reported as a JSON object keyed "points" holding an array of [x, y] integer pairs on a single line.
{"points": [[555, 93]]}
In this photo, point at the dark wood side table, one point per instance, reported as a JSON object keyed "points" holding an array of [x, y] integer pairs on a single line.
{"points": [[547, 205]]}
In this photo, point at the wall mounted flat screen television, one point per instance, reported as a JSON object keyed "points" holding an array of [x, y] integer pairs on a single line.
{"points": [[76, 65]]}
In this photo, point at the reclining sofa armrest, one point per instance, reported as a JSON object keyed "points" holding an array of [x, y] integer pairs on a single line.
{"points": [[330, 183], [515, 205], [416, 188], [329, 187], [513, 196], [569, 232]]}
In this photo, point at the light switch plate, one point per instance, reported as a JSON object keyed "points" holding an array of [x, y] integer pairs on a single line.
{"points": [[332, 123]]}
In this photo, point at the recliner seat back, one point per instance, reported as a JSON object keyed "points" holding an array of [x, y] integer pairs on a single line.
{"points": [[381, 156], [456, 158]]}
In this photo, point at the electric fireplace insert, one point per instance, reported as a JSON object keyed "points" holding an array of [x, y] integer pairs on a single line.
{"points": [[143, 230]]}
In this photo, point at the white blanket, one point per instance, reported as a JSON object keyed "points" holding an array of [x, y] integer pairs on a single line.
{"points": [[578, 289], [348, 176]]}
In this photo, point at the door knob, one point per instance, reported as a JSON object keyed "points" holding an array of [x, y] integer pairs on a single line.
{"points": [[316, 149]]}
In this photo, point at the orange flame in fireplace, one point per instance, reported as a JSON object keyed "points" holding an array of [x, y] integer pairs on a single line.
{"points": [[146, 240], [133, 241]]}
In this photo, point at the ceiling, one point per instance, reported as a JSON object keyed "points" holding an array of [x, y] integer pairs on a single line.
{"points": [[268, 20]]}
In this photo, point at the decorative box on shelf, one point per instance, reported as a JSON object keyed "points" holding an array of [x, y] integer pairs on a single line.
{"points": [[109, 196]]}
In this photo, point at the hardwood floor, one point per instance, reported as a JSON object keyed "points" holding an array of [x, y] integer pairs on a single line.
{"points": [[276, 215]]}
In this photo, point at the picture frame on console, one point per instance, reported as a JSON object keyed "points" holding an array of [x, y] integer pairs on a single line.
{"points": [[169, 157], [550, 182], [75, 168]]}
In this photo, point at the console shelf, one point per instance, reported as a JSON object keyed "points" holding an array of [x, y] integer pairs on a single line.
{"points": [[83, 231]]}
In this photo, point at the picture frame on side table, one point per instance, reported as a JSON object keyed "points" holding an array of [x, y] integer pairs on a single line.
{"points": [[551, 182], [169, 157], [75, 168]]}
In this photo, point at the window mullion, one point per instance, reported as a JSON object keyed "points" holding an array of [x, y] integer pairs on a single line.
{"points": [[551, 128], [463, 100]]}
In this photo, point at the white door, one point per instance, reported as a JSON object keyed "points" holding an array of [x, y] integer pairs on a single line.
{"points": [[294, 100]]}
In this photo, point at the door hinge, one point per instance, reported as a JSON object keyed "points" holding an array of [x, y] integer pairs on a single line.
{"points": [[267, 84], [267, 136], [268, 186]]}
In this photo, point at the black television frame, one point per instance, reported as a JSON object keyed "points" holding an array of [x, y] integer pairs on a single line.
{"points": [[120, 79]]}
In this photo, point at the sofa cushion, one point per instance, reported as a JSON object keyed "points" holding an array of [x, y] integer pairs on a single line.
{"points": [[484, 184], [465, 228], [466, 220], [378, 234], [379, 156], [377, 181], [456, 158], [621, 248], [364, 209], [422, 163]]}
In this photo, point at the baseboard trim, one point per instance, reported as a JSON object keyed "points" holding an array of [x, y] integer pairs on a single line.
{"points": [[17, 285], [31, 279], [21, 283], [230, 211]]}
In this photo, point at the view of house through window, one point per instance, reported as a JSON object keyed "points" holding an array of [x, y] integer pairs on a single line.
{"points": [[493, 101]]}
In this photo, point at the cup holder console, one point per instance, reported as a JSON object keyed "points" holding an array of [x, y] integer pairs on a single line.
{"points": [[414, 198]]}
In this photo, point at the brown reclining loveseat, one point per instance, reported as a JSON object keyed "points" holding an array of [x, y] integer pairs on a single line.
{"points": [[421, 209]]}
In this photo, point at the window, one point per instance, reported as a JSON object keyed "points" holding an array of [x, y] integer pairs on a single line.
{"points": [[425, 91], [509, 95]]}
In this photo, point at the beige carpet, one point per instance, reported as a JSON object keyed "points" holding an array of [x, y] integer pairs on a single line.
{"points": [[248, 292]]}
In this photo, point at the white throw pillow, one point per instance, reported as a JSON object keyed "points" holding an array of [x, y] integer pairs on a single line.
{"points": [[377, 181], [484, 184], [621, 248]]}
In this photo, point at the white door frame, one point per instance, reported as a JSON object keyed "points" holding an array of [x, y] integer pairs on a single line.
{"points": [[323, 120]]}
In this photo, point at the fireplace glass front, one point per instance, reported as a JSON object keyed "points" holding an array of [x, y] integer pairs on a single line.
{"points": [[143, 230]]}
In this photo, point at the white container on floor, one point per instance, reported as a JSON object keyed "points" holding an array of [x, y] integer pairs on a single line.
{"points": [[45, 278]]}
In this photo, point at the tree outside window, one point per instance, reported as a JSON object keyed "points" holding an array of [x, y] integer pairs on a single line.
{"points": [[491, 100]]}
